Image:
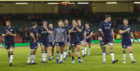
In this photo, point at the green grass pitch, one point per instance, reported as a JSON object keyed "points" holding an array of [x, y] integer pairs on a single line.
{"points": [[91, 63]]}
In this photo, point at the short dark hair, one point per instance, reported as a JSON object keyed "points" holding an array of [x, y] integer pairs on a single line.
{"points": [[79, 19], [66, 19], [8, 21], [125, 19], [73, 19], [107, 16], [44, 20], [60, 20], [34, 23]]}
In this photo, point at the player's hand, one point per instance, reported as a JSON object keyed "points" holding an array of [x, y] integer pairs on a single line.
{"points": [[45, 27], [128, 29], [74, 26], [100, 38], [113, 39], [34, 41], [134, 41], [8, 32], [87, 37]]}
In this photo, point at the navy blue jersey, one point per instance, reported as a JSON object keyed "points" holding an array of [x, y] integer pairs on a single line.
{"points": [[67, 28], [74, 35], [106, 28], [9, 37], [43, 33], [34, 31], [88, 31], [82, 28], [126, 36]]}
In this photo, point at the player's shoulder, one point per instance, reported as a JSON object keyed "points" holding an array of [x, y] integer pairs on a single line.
{"points": [[102, 22], [70, 26], [122, 27], [31, 28], [129, 26], [56, 28]]}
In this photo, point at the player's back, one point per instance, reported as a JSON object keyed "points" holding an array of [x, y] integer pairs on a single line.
{"points": [[34, 31]]}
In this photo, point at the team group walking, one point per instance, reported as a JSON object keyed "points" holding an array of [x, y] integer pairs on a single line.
{"points": [[68, 38]]}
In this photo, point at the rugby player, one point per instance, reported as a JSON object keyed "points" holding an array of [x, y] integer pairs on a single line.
{"points": [[8, 34]]}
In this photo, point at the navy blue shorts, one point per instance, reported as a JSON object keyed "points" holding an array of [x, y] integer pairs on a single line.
{"points": [[88, 40], [9, 44], [106, 41], [74, 43], [125, 44], [61, 44], [45, 43], [33, 45]]}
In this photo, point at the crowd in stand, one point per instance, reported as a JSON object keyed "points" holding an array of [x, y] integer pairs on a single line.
{"points": [[94, 20]]}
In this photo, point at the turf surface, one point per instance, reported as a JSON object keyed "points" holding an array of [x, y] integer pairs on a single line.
{"points": [[91, 63]]}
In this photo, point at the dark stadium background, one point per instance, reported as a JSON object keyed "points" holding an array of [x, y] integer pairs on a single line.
{"points": [[23, 12]]}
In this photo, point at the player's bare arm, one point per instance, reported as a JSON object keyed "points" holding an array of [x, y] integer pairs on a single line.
{"points": [[71, 30], [48, 30], [100, 35], [85, 35], [90, 35], [33, 37], [12, 34], [121, 31], [78, 29], [112, 32]]}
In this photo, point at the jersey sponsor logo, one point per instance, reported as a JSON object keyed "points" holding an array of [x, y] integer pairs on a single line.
{"points": [[107, 27], [110, 24]]}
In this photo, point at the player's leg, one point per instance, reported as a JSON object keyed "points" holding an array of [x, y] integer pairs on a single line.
{"points": [[50, 52], [86, 48], [33, 47], [89, 45], [65, 52], [57, 53], [70, 50], [112, 53], [124, 55], [79, 53], [124, 51], [53, 46], [131, 54], [83, 48], [11, 49], [31, 56], [73, 48], [61, 53], [43, 54], [103, 47]]}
